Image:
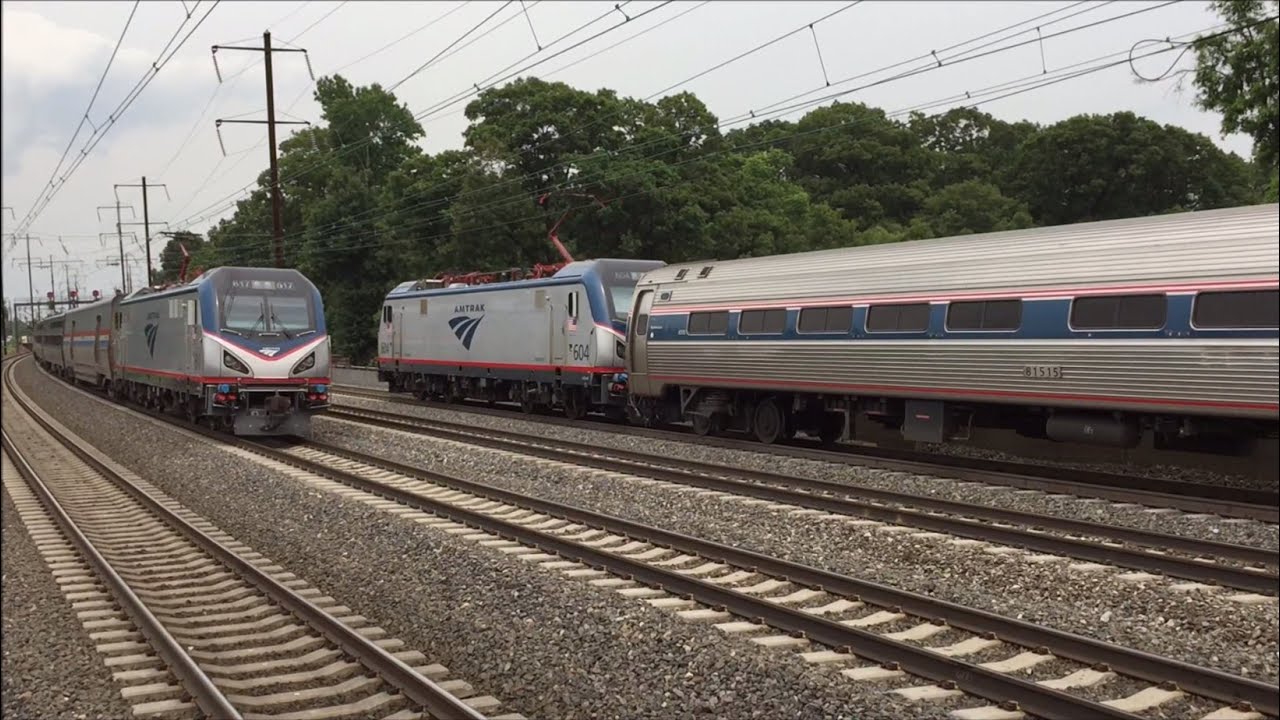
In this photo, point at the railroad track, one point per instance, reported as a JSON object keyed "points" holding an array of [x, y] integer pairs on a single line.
{"points": [[876, 633], [1153, 492], [1247, 568], [189, 620]]}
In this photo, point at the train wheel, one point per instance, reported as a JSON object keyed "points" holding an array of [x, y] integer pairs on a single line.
{"points": [[767, 422], [703, 425], [574, 406], [830, 428]]}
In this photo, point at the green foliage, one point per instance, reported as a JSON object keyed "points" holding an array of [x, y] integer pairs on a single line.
{"points": [[365, 208], [1100, 167], [1239, 74]]}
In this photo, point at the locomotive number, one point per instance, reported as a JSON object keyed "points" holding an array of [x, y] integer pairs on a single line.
{"points": [[580, 352], [1051, 372]]}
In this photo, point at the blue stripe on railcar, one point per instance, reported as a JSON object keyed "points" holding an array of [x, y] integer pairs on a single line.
{"points": [[1041, 320]]}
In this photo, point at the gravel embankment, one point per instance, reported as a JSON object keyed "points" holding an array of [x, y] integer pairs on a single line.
{"points": [[50, 668], [1202, 628], [1240, 532], [545, 646]]}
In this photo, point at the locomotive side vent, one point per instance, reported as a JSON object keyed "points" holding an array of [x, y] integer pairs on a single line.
{"points": [[705, 271]]}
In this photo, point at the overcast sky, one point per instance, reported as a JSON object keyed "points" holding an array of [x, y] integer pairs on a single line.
{"points": [[54, 54]]}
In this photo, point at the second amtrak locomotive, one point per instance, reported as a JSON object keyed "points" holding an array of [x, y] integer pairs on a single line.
{"points": [[556, 341]]}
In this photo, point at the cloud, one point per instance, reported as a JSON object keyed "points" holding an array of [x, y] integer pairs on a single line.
{"points": [[39, 52]]}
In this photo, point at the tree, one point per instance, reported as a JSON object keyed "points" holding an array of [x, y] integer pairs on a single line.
{"points": [[1101, 167], [1238, 74], [171, 256], [973, 207]]}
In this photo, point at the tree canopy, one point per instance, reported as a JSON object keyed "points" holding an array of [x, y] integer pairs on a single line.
{"points": [[365, 208], [1238, 74]]}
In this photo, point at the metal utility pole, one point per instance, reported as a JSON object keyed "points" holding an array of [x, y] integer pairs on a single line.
{"points": [[277, 220], [146, 218], [52, 265], [119, 234], [31, 285]]}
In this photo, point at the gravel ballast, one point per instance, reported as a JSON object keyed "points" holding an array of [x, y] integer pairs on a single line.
{"points": [[1202, 628], [51, 668], [545, 646], [1241, 532]]}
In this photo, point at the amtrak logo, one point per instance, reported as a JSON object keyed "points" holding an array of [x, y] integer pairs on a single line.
{"points": [[150, 331], [465, 328], [269, 351]]}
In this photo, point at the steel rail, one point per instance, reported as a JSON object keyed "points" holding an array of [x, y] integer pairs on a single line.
{"points": [[1186, 496], [427, 694], [197, 684], [1254, 581], [1035, 699], [1206, 682]]}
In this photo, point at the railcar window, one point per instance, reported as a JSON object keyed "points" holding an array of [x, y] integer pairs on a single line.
{"points": [[898, 318], [708, 323], [1119, 312], [985, 315], [1241, 309], [642, 325], [764, 322], [826, 320]]}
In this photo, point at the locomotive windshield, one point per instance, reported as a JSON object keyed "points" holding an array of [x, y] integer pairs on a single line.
{"points": [[620, 278], [267, 308]]}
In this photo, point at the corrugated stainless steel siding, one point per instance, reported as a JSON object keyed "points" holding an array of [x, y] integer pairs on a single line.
{"points": [[1242, 372], [1218, 244]]}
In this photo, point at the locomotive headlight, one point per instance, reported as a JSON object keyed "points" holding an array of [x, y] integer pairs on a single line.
{"points": [[620, 348], [305, 364], [233, 363]]}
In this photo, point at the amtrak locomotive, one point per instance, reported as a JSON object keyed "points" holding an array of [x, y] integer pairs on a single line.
{"points": [[553, 342], [242, 349], [1094, 333]]}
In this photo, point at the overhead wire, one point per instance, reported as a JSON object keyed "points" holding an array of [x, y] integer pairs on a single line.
{"points": [[520, 179], [331, 155], [84, 117], [1013, 87], [361, 244], [746, 54], [428, 63]]}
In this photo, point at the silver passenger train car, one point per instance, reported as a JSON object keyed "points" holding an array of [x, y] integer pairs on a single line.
{"points": [[243, 349], [1094, 333]]}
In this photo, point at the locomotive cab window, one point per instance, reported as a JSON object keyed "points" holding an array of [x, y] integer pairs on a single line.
{"points": [[1003, 315], [573, 305], [708, 323], [825, 320], [898, 318], [256, 304], [762, 322], [1237, 310], [386, 313], [1119, 312]]}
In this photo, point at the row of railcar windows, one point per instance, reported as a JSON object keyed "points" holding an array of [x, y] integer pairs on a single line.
{"points": [[1251, 309]]}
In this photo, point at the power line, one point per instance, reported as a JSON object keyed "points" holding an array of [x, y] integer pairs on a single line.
{"points": [[92, 99], [428, 63], [161, 61], [996, 92], [935, 65], [401, 39], [352, 147]]}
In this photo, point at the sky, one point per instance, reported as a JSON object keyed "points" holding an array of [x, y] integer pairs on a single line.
{"points": [[54, 54]]}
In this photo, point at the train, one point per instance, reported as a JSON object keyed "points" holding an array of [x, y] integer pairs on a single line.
{"points": [[553, 341], [243, 350], [1098, 333]]}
